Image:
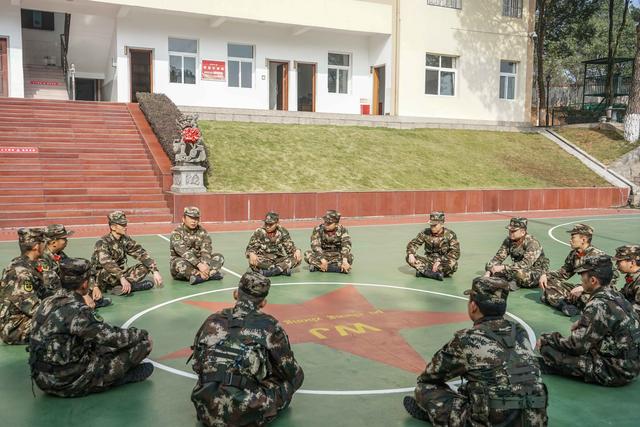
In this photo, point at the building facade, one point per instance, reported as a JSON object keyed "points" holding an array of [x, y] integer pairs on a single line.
{"points": [[455, 59]]}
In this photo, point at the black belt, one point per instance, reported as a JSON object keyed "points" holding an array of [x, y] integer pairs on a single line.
{"points": [[518, 402], [227, 378], [48, 368]]}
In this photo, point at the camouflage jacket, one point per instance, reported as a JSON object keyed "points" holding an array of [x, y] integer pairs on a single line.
{"points": [[573, 261], [631, 290], [482, 356], [609, 329], [49, 265], [18, 286], [443, 246], [337, 241], [275, 246], [192, 245], [110, 254], [68, 338], [526, 256]]}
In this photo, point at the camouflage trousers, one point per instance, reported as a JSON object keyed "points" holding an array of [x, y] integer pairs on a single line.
{"points": [[557, 294], [446, 407], [109, 368], [335, 258], [220, 405], [284, 263], [108, 282], [521, 277], [447, 268], [15, 328], [591, 368], [181, 269]]}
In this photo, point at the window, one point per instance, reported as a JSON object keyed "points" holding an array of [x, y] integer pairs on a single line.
{"points": [[440, 75], [512, 8], [508, 70], [37, 20], [338, 73], [454, 4], [182, 61], [240, 65]]}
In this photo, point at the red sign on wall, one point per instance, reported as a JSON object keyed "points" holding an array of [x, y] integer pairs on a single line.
{"points": [[44, 83], [213, 70]]}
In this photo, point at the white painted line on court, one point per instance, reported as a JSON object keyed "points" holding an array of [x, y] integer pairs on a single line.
{"points": [[528, 329], [550, 232], [233, 273]]}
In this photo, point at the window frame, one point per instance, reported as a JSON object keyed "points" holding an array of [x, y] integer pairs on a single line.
{"points": [[443, 3], [338, 68], [182, 55], [507, 76], [240, 60], [512, 8], [440, 69]]}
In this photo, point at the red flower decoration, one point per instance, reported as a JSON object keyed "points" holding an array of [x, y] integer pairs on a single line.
{"points": [[57, 258], [191, 135], [629, 279], [39, 268]]}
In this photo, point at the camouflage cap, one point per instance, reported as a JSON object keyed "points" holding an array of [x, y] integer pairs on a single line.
{"points": [[74, 271], [583, 229], [491, 289], [436, 217], [597, 263], [192, 211], [271, 218], [31, 235], [254, 284], [627, 252], [516, 223], [117, 217], [331, 216], [57, 231]]}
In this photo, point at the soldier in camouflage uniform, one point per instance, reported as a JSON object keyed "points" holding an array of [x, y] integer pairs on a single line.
{"points": [[109, 261], [556, 290], [18, 286], [270, 251], [501, 377], [56, 236], [73, 352], [330, 246], [529, 261], [441, 250], [604, 345], [247, 372], [628, 261], [192, 256]]}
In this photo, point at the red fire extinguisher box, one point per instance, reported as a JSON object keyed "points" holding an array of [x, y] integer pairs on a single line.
{"points": [[365, 109]]}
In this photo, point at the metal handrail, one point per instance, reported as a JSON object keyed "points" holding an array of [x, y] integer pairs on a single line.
{"points": [[68, 71]]}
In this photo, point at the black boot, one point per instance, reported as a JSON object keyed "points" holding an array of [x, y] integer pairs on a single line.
{"points": [[334, 268], [569, 310], [142, 285], [103, 302], [196, 279], [413, 409], [136, 374], [435, 276], [420, 274], [216, 276]]}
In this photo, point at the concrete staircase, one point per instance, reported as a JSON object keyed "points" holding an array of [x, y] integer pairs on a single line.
{"points": [[44, 82], [73, 162]]}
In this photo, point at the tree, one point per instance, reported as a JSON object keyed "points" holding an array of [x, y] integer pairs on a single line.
{"points": [[613, 47], [632, 118]]}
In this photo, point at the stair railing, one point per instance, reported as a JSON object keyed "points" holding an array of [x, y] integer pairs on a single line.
{"points": [[68, 71]]}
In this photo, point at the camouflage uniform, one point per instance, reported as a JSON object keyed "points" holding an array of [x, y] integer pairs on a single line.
{"points": [[529, 261], [275, 251], [246, 370], [443, 247], [189, 248], [604, 345], [73, 352], [631, 289], [49, 263], [333, 246], [18, 297], [501, 377]]}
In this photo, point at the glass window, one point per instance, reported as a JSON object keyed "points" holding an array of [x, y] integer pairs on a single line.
{"points": [[182, 60], [440, 75], [240, 64], [454, 4], [512, 8], [508, 74], [338, 72]]}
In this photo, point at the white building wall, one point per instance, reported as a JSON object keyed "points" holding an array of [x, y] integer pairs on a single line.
{"points": [[110, 82], [10, 27], [142, 29]]}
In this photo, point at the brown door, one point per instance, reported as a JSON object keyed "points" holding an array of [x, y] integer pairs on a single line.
{"points": [[280, 85], [141, 72], [4, 70], [306, 87], [378, 91]]}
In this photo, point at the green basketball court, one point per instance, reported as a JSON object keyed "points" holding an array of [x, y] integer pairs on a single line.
{"points": [[361, 338]]}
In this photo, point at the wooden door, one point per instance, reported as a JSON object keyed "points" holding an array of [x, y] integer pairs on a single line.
{"points": [[4, 68], [282, 86], [306, 87], [141, 72]]}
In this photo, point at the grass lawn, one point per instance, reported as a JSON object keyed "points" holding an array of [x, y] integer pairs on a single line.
{"points": [[266, 157], [604, 145]]}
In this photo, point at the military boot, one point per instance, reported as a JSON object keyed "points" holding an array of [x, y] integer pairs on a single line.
{"points": [[569, 310], [334, 268], [196, 279], [413, 409], [216, 276], [103, 302], [136, 374], [433, 275], [142, 285]]}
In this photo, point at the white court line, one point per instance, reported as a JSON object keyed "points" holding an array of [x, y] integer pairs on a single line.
{"points": [[550, 232], [530, 333], [233, 273]]}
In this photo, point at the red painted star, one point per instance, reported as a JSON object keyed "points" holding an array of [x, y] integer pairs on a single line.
{"points": [[344, 320]]}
